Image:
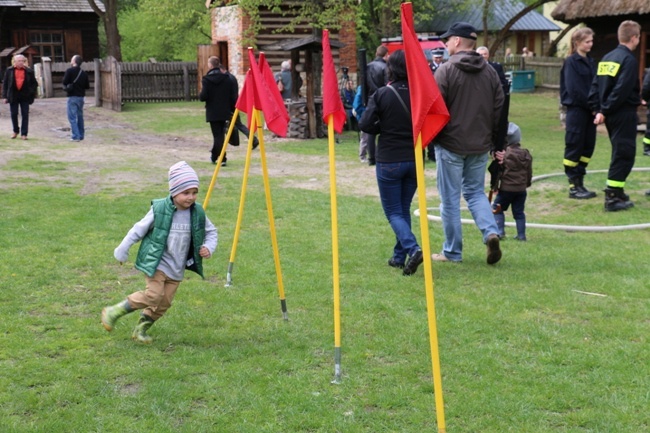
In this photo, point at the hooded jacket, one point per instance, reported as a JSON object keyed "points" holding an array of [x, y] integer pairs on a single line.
{"points": [[219, 94], [474, 97]]}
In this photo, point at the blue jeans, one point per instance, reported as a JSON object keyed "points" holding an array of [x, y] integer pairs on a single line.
{"points": [[76, 116], [462, 173], [397, 184]]}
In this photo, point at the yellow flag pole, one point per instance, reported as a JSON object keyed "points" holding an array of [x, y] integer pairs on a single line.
{"points": [[242, 199], [269, 208], [335, 253], [429, 286], [206, 202]]}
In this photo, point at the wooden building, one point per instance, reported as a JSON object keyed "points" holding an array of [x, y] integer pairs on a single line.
{"points": [[603, 17], [57, 29], [229, 24]]}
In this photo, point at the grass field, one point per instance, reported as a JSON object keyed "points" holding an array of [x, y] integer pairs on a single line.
{"points": [[521, 349]]}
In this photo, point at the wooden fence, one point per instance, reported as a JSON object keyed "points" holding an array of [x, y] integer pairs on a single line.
{"points": [[547, 69], [115, 83]]}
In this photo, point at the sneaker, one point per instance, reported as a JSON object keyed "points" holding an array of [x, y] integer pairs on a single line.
{"points": [[493, 249], [223, 163], [395, 264], [413, 262], [646, 150]]}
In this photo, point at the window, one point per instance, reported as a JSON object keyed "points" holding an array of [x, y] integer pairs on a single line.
{"points": [[48, 44]]}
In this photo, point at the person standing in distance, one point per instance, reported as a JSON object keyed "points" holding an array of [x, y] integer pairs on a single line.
{"points": [[578, 71], [19, 90], [376, 77], [474, 97], [77, 79], [220, 96], [614, 97]]}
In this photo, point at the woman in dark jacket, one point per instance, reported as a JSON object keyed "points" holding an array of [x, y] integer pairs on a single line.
{"points": [[577, 73], [389, 115]]}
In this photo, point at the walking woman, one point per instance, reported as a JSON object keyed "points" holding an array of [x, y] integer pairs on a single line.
{"points": [[388, 114], [577, 73]]}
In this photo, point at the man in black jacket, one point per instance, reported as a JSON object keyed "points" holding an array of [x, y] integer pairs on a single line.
{"points": [[376, 77], [614, 97], [220, 96], [19, 90], [75, 83]]}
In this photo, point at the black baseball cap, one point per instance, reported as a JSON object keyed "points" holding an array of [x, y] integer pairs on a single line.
{"points": [[462, 29]]}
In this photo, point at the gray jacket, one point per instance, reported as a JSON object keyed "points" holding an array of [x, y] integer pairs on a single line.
{"points": [[474, 97]]}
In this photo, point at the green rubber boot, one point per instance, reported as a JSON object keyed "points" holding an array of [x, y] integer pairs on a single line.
{"points": [[140, 331], [111, 314]]}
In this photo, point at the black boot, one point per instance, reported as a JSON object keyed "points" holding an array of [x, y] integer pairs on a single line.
{"points": [[521, 229], [616, 199], [577, 191]]}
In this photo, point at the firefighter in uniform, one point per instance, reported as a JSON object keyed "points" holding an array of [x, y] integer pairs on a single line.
{"points": [[615, 96], [576, 76]]}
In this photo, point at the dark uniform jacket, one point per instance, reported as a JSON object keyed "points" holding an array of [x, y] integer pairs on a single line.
{"points": [[576, 76], [616, 86]]}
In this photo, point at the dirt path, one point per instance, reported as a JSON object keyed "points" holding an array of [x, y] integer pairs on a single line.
{"points": [[113, 150]]}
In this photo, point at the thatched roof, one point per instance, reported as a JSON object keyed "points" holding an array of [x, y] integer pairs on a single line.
{"points": [[577, 10]]}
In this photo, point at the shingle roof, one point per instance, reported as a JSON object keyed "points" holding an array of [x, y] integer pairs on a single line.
{"points": [[52, 5], [577, 10], [501, 14]]}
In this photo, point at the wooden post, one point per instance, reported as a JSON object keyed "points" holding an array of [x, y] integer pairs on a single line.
{"points": [[98, 82], [311, 107], [48, 88], [186, 82], [295, 75]]}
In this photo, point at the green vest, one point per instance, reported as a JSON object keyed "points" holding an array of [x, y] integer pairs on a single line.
{"points": [[154, 243]]}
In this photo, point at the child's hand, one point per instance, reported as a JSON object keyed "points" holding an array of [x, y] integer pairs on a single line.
{"points": [[498, 155], [204, 252]]}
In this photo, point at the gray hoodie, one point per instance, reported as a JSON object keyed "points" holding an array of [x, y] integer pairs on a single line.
{"points": [[474, 97]]}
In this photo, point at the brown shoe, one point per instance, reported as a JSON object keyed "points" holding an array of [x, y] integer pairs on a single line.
{"points": [[14, 135], [493, 250], [24, 137]]}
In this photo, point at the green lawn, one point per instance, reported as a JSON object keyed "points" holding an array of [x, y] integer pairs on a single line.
{"points": [[521, 349]]}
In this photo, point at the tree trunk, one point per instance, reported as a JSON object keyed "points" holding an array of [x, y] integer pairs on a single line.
{"points": [[109, 19]]}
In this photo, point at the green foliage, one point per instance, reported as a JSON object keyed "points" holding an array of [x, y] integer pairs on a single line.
{"points": [[166, 30]]}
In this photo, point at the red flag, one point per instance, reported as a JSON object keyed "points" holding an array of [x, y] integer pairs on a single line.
{"points": [[275, 116], [273, 87], [331, 97], [246, 100], [428, 110]]}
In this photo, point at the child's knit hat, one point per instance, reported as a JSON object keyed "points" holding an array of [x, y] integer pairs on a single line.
{"points": [[514, 134], [181, 178]]}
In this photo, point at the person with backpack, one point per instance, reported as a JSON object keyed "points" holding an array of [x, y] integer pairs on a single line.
{"points": [[75, 83], [515, 175]]}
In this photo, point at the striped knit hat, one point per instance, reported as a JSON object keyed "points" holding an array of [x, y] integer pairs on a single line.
{"points": [[181, 178]]}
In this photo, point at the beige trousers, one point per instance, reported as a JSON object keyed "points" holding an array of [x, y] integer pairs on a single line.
{"points": [[157, 296]]}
